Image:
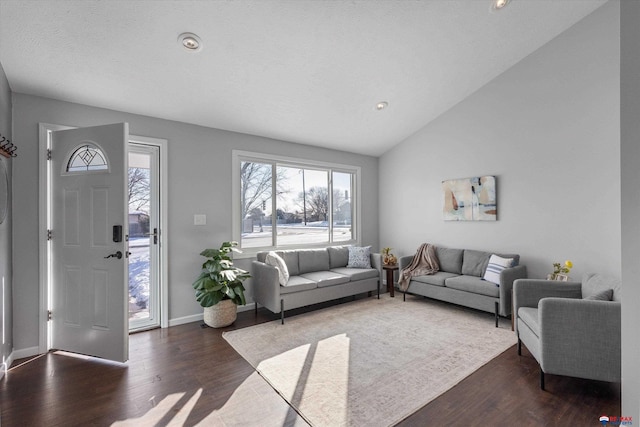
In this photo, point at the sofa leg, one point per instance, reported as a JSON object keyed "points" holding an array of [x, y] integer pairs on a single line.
{"points": [[497, 305], [541, 379], [519, 347], [282, 311], [378, 289]]}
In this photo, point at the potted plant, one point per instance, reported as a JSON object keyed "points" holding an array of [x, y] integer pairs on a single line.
{"points": [[219, 287]]}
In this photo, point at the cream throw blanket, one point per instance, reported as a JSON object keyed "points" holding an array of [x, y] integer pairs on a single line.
{"points": [[424, 262]]}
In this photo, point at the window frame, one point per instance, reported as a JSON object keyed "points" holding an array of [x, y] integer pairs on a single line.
{"points": [[239, 156]]}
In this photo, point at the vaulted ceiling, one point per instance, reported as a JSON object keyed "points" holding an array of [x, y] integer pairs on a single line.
{"points": [[304, 71]]}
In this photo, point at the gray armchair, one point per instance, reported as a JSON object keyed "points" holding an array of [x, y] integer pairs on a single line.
{"points": [[571, 328]]}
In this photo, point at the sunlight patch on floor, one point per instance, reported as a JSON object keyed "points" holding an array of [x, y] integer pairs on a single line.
{"points": [[315, 374], [253, 402]]}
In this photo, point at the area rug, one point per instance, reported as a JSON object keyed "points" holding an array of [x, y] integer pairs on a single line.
{"points": [[370, 362]]}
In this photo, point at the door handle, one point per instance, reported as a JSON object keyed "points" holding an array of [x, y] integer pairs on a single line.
{"points": [[155, 236], [115, 255]]}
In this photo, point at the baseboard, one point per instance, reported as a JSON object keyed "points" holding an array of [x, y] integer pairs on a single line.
{"points": [[25, 352], [200, 317], [6, 365], [186, 319]]}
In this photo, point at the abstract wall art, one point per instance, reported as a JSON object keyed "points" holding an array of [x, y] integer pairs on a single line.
{"points": [[470, 199]]}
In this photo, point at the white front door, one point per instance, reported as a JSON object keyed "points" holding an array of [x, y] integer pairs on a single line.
{"points": [[89, 290]]}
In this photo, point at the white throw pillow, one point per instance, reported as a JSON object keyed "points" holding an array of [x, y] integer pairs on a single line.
{"points": [[276, 260], [359, 257], [495, 266]]}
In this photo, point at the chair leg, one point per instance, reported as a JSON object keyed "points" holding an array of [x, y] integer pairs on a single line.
{"points": [[497, 306], [282, 311], [519, 347], [541, 379]]}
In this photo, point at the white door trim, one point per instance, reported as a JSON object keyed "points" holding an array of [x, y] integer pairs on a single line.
{"points": [[43, 248]]}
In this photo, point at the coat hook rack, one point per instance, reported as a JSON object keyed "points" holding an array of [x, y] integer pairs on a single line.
{"points": [[7, 149]]}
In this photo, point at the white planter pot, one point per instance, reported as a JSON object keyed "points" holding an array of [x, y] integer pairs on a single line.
{"points": [[220, 315]]}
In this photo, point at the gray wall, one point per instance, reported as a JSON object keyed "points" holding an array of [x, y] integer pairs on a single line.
{"points": [[548, 129], [630, 157], [6, 323], [199, 182]]}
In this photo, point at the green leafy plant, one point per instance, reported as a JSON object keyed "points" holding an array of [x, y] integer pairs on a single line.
{"points": [[219, 278]]}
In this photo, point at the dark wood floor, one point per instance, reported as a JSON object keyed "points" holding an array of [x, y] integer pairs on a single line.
{"points": [[54, 390]]}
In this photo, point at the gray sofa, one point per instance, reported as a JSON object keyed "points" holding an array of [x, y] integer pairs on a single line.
{"points": [[571, 328], [459, 280], [316, 275]]}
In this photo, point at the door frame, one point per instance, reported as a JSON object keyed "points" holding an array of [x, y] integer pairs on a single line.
{"points": [[137, 145], [44, 130]]}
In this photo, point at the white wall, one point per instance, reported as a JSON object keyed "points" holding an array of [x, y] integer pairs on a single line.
{"points": [[199, 182], [630, 159], [548, 129], [6, 324]]}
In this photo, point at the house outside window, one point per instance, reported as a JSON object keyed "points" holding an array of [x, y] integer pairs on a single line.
{"points": [[285, 203]]}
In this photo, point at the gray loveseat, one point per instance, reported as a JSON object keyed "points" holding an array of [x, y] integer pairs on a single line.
{"points": [[460, 281], [316, 275], [571, 328]]}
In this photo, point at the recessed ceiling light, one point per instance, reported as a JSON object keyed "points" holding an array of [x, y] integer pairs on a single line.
{"points": [[499, 4], [190, 42], [382, 105]]}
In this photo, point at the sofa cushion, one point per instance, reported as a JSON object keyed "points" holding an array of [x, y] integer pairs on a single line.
{"points": [[311, 260], [474, 285], [338, 256], [601, 296], [359, 257], [298, 284], [436, 279], [474, 263], [290, 258], [357, 273], [276, 260], [450, 259], [326, 278], [595, 283], [529, 315], [494, 268]]}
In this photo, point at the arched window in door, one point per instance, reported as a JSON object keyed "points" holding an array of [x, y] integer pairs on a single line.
{"points": [[86, 158]]}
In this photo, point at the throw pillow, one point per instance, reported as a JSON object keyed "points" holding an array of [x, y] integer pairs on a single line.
{"points": [[495, 267], [605, 295], [359, 257], [276, 260]]}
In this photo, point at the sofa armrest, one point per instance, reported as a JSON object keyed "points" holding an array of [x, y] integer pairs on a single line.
{"points": [[507, 277], [376, 262], [266, 286], [404, 261], [580, 338]]}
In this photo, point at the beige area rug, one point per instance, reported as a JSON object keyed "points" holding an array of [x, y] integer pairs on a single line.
{"points": [[370, 362]]}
